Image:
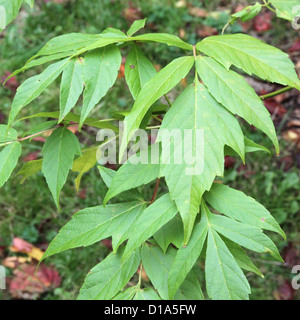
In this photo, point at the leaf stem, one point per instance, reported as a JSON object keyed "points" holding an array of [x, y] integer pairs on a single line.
{"points": [[276, 93], [155, 191]]}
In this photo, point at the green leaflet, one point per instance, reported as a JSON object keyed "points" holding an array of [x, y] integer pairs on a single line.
{"points": [[91, 225], [161, 83], [241, 257], [7, 134], [251, 55], [71, 42], [34, 86], [84, 163], [93, 122], [131, 175], [11, 8], [245, 235], [286, 9], [235, 204], [247, 13], [211, 127], [110, 276], [29, 169], [190, 288], [166, 38], [8, 160], [71, 86], [136, 26], [171, 232], [224, 278], [100, 73], [157, 265], [58, 155], [150, 221], [107, 176], [138, 70], [44, 126], [250, 146], [186, 258], [146, 294], [232, 91], [135, 293]]}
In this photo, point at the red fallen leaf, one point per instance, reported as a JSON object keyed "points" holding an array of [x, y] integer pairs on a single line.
{"points": [[20, 245], [229, 162], [285, 291], [290, 255], [12, 83], [27, 283], [31, 156], [263, 22], [108, 244], [40, 139], [295, 46]]}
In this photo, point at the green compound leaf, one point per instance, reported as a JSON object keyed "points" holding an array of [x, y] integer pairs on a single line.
{"points": [[71, 86], [136, 26], [110, 276], [236, 205], [138, 70], [91, 225], [33, 87], [253, 56], [211, 127], [160, 84], [150, 221], [8, 160], [100, 73], [59, 151], [232, 91]]}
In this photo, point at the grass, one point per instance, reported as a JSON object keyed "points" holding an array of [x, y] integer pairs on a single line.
{"points": [[28, 211]]}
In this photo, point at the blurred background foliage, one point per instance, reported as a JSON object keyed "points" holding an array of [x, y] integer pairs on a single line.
{"points": [[27, 210]]}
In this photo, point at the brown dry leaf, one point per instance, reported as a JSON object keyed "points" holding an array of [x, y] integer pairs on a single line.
{"points": [[198, 12], [207, 31], [291, 135], [14, 262], [27, 283]]}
